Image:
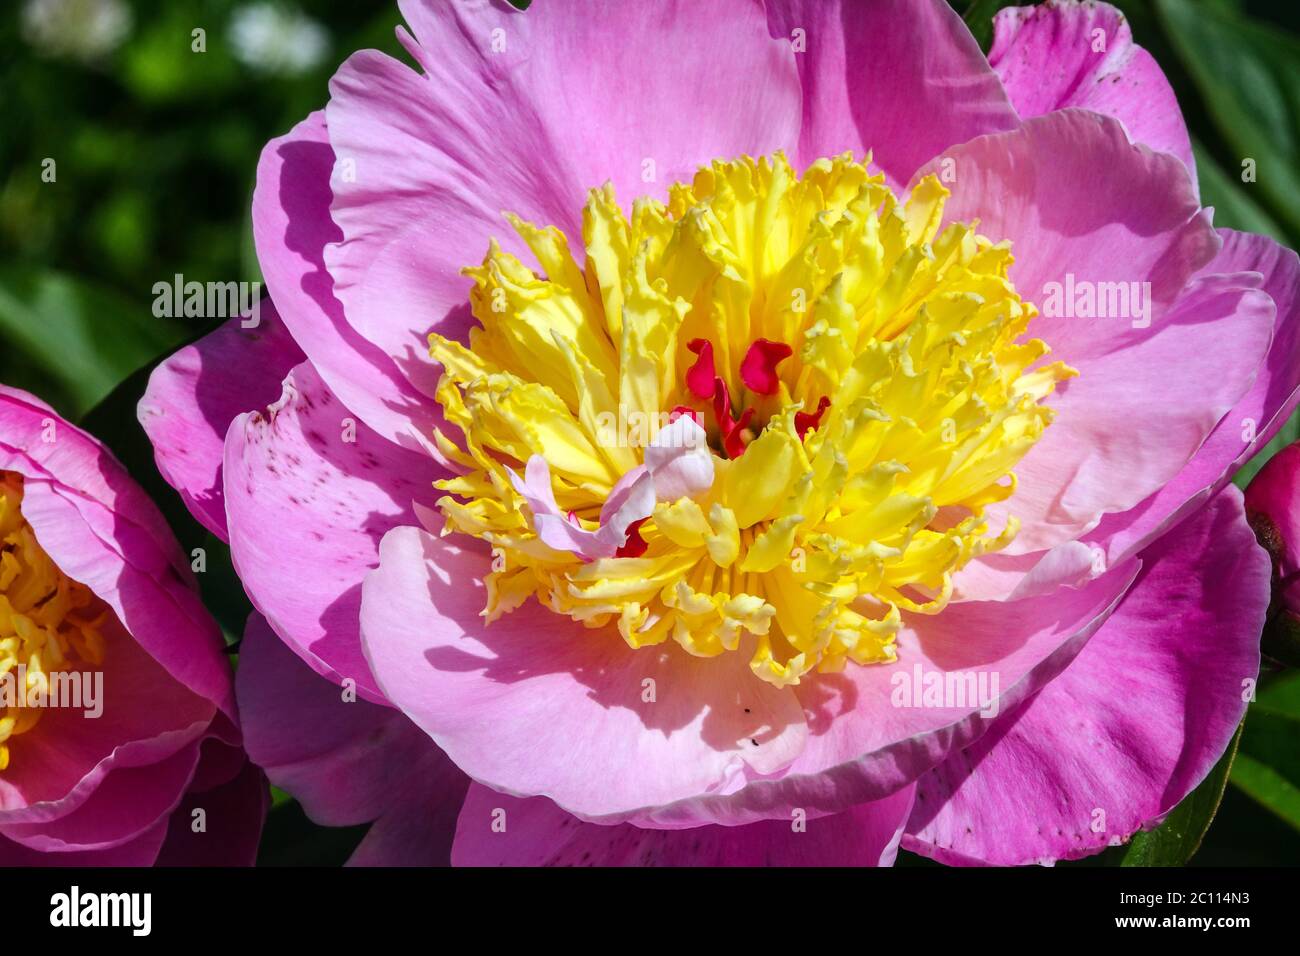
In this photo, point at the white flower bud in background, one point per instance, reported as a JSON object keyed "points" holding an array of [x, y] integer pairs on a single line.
{"points": [[275, 38], [83, 30]]}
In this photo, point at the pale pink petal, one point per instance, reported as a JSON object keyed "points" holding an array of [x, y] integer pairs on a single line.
{"points": [[679, 460], [1250, 424], [1246, 261], [554, 527], [1132, 420], [1131, 726], [631, 499], [537, 704], [525, 113], [478, 690], [678, 464], [291, 228], [869, 734], [585, 86], [1066, 565]]}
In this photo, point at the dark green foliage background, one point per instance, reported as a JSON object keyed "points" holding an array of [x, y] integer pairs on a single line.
{"points": [[156, 149]]}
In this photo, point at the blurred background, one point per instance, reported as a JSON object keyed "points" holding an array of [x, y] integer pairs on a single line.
{"points": [[127, 156]]}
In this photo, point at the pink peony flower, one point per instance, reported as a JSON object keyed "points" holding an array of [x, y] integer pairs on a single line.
{"points": [[935, 586], [119, 744]]}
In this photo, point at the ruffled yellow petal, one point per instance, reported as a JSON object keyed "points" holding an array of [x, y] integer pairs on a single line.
{"points": [[49, 624], [812, 542]]}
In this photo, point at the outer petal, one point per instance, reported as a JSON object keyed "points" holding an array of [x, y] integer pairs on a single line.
{"points": [[291, 228], [525, 113], [714, 744], [903, 79], [194, 395], [123, 805], [233, 814], [309, 492], [538, 833], [1131, 727], [142, 851], [346, 761], [1061, 54], [235, 809], [872, 731], [418, 826], [1081, 204]]}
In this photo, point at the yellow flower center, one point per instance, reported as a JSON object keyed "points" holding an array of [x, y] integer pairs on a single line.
{"points": [[49, 624], [858, 373]]}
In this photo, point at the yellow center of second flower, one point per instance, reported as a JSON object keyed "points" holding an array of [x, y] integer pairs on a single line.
{"points": [[861, 377], [49, 624]]}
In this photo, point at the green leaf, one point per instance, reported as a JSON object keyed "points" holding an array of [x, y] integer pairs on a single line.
{"points": [[1269, 788], [84, 336], [1233, 206], [1269, 765], [1176, 840], [1249, 77], [1270, 738], [979, 18], [1281, 693]]}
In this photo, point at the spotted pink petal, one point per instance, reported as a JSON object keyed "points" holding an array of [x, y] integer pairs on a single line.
{"points": [[1057, 55], [195, 394], [306, 471]]}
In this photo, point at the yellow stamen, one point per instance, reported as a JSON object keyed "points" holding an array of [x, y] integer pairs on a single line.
{"points": [[49, 624], [810, 543]]}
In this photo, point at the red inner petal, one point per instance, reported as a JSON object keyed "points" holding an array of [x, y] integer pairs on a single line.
{"points": [[733, 443], [803, 421], [758, 370], [635, 545], [699, 377]]}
